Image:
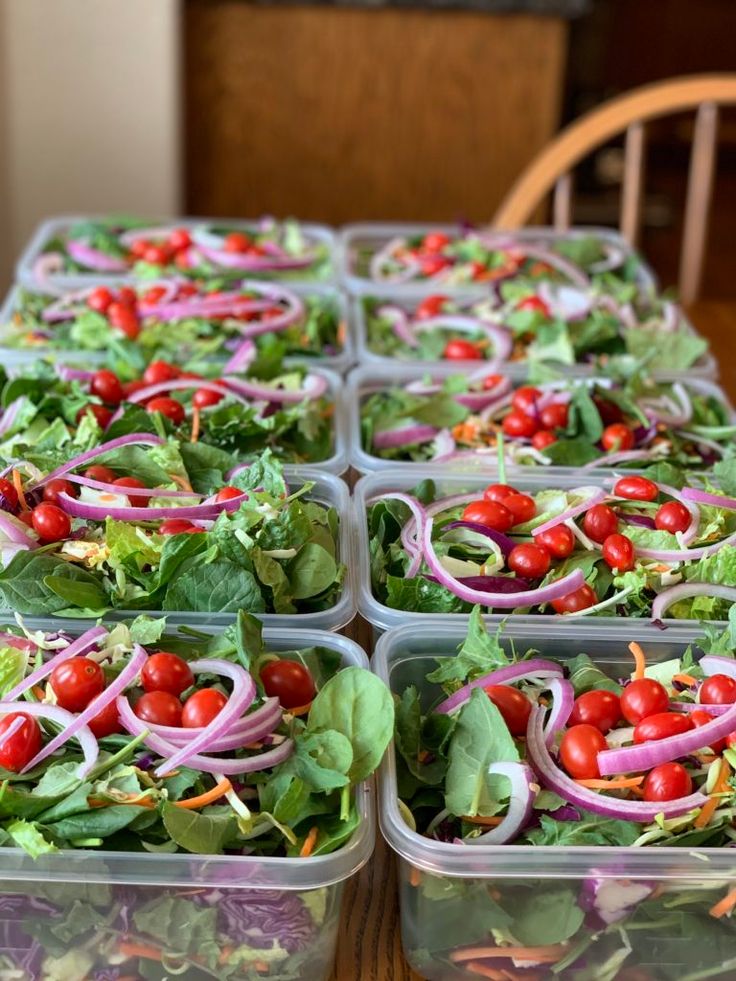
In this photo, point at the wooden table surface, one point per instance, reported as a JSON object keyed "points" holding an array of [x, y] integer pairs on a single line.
{"points": [[369, 948]]}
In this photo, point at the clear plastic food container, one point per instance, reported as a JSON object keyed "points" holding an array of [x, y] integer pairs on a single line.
{"points": [[365, 381], [52, 228], [89, 909], [453, 896], [383, 617]]}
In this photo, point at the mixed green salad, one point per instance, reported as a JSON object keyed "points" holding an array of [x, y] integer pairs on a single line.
{"points": [[629, 546], [566, 422], [195, 249], [141, 522], [192, 324], [496, 746], [126, 738], [51, 413]]}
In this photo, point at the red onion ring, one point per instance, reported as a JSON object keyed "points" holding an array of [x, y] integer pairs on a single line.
{"points": [[314, 387], [100, 485], [536, 668], [715, 664], [98, 512], [142, 439], [687, 590], [44, 266], [241, 733], [521, 801], [15, 531], [500, 337], [703, 497], [60, 716], [242, 357], [400, 323], [563, 701], [9, 415], [85, 255], [255, 263], [418, 517], [386, 255], [386, 439]]}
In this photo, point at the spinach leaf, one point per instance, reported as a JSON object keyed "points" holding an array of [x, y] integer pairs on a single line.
{"points": [[323, 759], [548, 916], [206, 466], [591, 829], [97, 823], [408, 735], [584, 676], [219, 587], [23, 582], [479, 653], [311, 571], [203, 834]]}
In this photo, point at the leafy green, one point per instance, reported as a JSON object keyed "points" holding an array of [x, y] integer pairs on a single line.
{"points": [[480, 653]]}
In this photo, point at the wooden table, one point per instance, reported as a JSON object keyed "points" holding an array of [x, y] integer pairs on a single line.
{"points": [[369, 948]]}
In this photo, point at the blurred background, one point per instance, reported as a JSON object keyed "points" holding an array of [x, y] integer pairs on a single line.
{"points": [[338, 112]]}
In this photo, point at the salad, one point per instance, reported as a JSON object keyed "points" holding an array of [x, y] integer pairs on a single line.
{"points": [[193, 248], [141, 522], [521, 320], [52, 413], [189, 323], [566, 423], [497, 747], [126, 738], [628, 546]]}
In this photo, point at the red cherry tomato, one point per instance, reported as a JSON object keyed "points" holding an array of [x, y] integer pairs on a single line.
{"points": [[154, 295], [719, 689], [525, 399], [617, 437], [521, 506], [599, 522], [170, 408], [136, 500], [601, 709], [76, 682], [579, 751], [530, 561], [106, 722], [205, 397], [160, 371], [139, 247], [227, 494], [58, 486], [533, 303], [435, 241], [166, 672], [125, 319], [489, 513], [18, 751], [99, 299], [106, 386], [668, 781], [642, 698], [491, 381], [183, 261], [579, 599], [661, 726], [99, 472], [202, 707], [185, 290], [433, 264], [236, 242], [9, 492], [179, 239], [159, 707], [102, 414], [672, 517], [554, 416], [479, 270], [178, 526], [498, 492], [518, 424], [701, 718], [431, 306], [559, 541], [156, 255], [636, 489], [26, 517], [513, 705], [288, 681], [459, 350], [542, 439], [618, 552], [127, 296], [51, 523]]}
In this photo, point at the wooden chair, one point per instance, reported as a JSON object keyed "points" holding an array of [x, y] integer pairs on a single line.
{"points": [[551, 171]]}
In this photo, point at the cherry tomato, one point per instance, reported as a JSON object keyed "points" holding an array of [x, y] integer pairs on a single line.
{"points": [[601, 709], [102, 414], [579, 751], [204, 397], [51, 523], [431, 306], [58, 486], [617, 437], [672, 516], [166, 672], [202, 707], [491, 381], [160, 371], [513, 705], [521, 506], [497, 492], [642, 698], [518, 424], [579, 599], [106, 722], [99, 299], [9, 492], [159, 707], [185, 290], [156, 255], [559, 541], [106, 386], [433, 264], [179, 239], [533, 303], [459, 350], [719, 689], [178, 526], [618, 552], [608, 411], [489, 513], [435, 241], [668, 781], [170, 408], [99, 472], [26, 517], [554, 416], [530, 561], [661, 726], [542, 439], [599, 522], [154, 295], [182, 260], [136, 500], [18, 751], [289, 681], [227, 494], [127, 296], [525, 399], [701, 718], [636, 489], [236, 242], [139, 247], [76, 682], [125, 319]]}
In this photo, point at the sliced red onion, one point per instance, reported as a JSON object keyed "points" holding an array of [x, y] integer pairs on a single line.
{"points": [[564, 302], [314, 387], [180, 385], [536, 668], [613, 260], [19, 643], [399, 321], [46, 265], [563, 700], [574, 273], [703, 497], [72, 727], [523, 791], [10, 414], [591, 800], [128, 491], [255, 263], [696, 706], [409, 533], [687, 590], [444, 445], [491, 584], [494, 407], [715, 664], [623, 456], [84, 643], [418, 514], [594, 496], [141, 439], [503, 541], [85, 255], [701, 442], [643, 520], [67, 374], [242, 358], [383, 256], [406, 436], [98, 512], [15, 531], [500, 337], [686, 554], [240, 733]]}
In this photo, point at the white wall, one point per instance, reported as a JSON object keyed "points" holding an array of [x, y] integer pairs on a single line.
{"points": [[89, 111]]}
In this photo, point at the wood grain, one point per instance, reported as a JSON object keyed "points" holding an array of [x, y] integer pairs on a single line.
{"points": [[341, 114]]}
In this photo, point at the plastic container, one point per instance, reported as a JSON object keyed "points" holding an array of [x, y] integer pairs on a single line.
{"points": [[340, 362], [54, 227], [383, 617], [447, 891], [367, 380], [93, 883]]}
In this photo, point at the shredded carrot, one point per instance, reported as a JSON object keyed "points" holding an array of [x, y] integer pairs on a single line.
{"points": [[39, 692], [18, 484], [309, 842], [328, 412], [483, 971], [639, 660], [711, 805], [617, 783], [724, 906], [139, 950], [342, 332], [261, 966], [180, 481], [685, 679], [300, 709], [548, 954], [486, 822], [195, 425], [194, 803], [225, 953], [415, 876]]}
